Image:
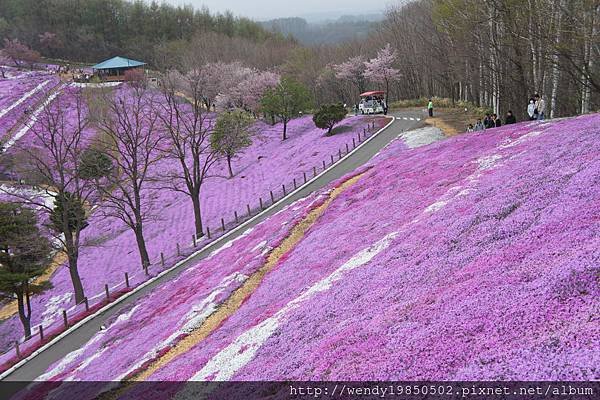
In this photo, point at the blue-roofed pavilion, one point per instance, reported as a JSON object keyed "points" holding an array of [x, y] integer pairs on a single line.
{"points": [[117, 66]]}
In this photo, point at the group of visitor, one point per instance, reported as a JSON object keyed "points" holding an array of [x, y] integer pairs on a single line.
{"points": [[63, 69], [76, 74], [492, 121], [536, 109]]}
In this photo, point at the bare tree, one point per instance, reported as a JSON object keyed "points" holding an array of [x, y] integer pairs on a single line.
{"points": [[53, 160], [188, 125], [132, 142]]}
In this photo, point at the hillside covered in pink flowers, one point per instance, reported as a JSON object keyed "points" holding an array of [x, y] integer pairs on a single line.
{"points": [[108, 246], [473, 258]]}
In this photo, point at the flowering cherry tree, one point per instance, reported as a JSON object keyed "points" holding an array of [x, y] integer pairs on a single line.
{"points": [[380, 70], [231, 75], [209, 79], [248, 93], [352, 71]]}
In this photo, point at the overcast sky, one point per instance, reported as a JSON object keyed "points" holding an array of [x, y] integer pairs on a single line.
{"points": [[267, 9]]}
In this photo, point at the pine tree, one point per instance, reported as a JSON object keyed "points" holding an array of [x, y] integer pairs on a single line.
{"points": [[24, 255]]}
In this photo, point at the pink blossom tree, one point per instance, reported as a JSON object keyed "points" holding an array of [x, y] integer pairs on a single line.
{"points": [[352, 71], [380, 69], [230, 91], [207, 81], [248, 93]]}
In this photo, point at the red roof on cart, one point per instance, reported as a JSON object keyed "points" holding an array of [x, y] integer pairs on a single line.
{"points": [[373, 93]]}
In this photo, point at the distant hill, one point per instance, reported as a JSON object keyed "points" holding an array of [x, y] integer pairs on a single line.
{"points": [[324, 31]]}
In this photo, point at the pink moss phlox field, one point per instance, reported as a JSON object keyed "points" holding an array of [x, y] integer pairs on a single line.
{"points": [[153, 325], [496, 279], [20, 94], [474, 258], [109, 248]]}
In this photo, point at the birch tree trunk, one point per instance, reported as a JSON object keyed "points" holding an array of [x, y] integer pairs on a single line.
{"points": [[555, 59], [586, 90]]}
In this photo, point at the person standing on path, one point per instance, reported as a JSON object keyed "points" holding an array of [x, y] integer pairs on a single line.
{"points": [[540, 105], [430, 108]]}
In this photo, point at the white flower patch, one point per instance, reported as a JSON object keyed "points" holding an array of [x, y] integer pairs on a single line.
{"points": [[95, 85], [23, 98], [53, 306], [125, 316], [438, 205], [508, 143], [62, 365], [18, 191], [72, 356], [228, 244], [235, 356], [298, 204], [191, 321], [29, 124], [259, 246], [484, 163], [488, 162]]}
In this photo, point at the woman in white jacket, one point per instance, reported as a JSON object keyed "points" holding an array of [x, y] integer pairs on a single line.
{"points": [[531, 109]]}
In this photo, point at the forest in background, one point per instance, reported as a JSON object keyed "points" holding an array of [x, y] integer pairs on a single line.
{"points": [[91, 30], [492, 53]]}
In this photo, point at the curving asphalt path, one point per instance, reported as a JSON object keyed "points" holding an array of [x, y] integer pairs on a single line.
{"points": [[76, 338]]}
